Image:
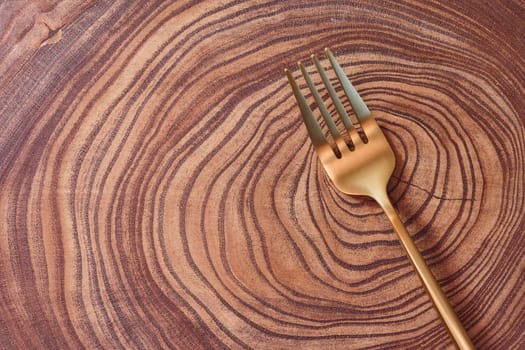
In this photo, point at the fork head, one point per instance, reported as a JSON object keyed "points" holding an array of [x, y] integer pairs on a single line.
{"points": [[359, 166]]}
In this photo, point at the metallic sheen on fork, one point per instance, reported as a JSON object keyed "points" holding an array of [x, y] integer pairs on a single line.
{"points": [[365, 170]]}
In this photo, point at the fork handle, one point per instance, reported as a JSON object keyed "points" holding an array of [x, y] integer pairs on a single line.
{"points": [[441, 304]]}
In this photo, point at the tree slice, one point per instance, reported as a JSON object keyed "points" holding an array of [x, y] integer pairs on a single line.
{"points": [[158, 190]]}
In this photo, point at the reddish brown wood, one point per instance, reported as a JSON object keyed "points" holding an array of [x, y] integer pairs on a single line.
{"points": [[157, 188]]}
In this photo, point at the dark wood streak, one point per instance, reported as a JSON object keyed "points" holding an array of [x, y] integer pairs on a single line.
{"points": [[158, 190]]}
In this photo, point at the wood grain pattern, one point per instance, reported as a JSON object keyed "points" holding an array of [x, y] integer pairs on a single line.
{"points": [[158, 191]]}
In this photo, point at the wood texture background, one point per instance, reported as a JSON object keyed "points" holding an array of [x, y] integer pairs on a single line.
{"points": [[158, 191]]}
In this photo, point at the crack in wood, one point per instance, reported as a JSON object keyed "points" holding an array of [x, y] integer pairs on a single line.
{"points": [[432, 194]]}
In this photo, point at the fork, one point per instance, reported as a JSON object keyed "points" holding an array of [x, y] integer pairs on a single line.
{"points": [[364, 168]]}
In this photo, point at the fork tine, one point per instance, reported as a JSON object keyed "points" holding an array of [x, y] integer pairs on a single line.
{"points": [[358, 105], [331, 91], [324, 111], [314, 130], [356, 140]]}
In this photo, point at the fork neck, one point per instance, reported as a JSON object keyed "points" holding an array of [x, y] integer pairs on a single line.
{"points": [[381, 197]]}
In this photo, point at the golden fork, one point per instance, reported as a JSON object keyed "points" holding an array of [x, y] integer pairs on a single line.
{"points": [[364, 168]]}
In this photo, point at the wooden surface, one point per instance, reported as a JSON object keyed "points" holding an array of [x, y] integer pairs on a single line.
{"points": [[158, 191]]}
